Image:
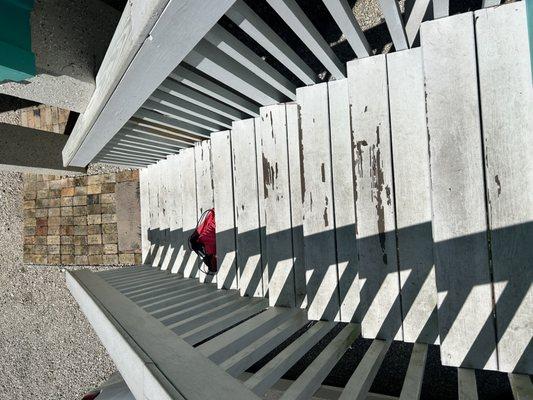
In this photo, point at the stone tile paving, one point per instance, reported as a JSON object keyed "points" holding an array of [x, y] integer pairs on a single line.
{"points": [[73, 220]]}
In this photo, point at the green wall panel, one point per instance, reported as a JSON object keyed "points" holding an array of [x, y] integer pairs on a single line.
{"points": [[17, 62]]}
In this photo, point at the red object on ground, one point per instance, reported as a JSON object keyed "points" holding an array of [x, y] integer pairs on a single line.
{"points": [[203, 240]]}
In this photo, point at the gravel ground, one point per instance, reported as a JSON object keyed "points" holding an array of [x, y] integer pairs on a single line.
{"points": [[49, 350]]}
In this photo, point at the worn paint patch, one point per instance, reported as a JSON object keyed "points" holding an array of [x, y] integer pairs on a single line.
{"points": [[266, 175], [377, 187], [497, 180], [301, 152]]}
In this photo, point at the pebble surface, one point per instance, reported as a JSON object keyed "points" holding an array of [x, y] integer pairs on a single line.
{"points": [[48, 349]]}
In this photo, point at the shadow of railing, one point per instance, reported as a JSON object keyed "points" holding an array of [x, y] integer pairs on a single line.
{"points": [[515, 276]]}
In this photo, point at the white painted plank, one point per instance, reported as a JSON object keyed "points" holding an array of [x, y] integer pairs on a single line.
{"points": [[309, 381], [180, 115], [257, 29], [224, 209], [225, 345], [296, 196], [393, 18], [415, 18], [179, 90], [343, 202], [412, 384], [229, 44], [271, 372], [190, 213], [219, 324], [344, 17], [139, 129], [441, 8], [318, 223], [144, 198], [179, 236], [160, 348], [272, 130], [246, 208], [361, 380], [506, 104], [123, 84], [413, 195], [173, 205], [466, 384], [179, 104], [136, 124], [204, 193], [214, 63], [210, 88], [154, 118], [164, 212], [261, 205], [464, 285], [171, 315], [374, 193], [173, 302], [248, 356], [154, 213], [182, 326], [521, 386], [296, 19], [490, 3]]}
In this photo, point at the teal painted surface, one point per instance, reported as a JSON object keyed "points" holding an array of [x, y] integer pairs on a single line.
{"points": [[17, 62], [529, 11]]}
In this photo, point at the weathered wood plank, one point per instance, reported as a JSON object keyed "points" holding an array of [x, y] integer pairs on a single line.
{"points": [[155, 233], [318, 222], [464, 285], [175, 213], [412, 384], [272, 131], [248, 356], [171, 315], [261, 207], [344, 17], [225, 345], [218, 65], [199, 319], [393, 18], [219, 324], [310, 380], [188, 179], [360, 382], [123, 84], [224, 209], [250, 274], [466, 384], [144, 198], [380, 313], [521, 386], [441, 8], [267, 376], [229, 44], [298, 21], [164, 212], [413, 195], [204, 193], [157, 348], [296, 196], [257, 29], [343, 201], [506, 106]]}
